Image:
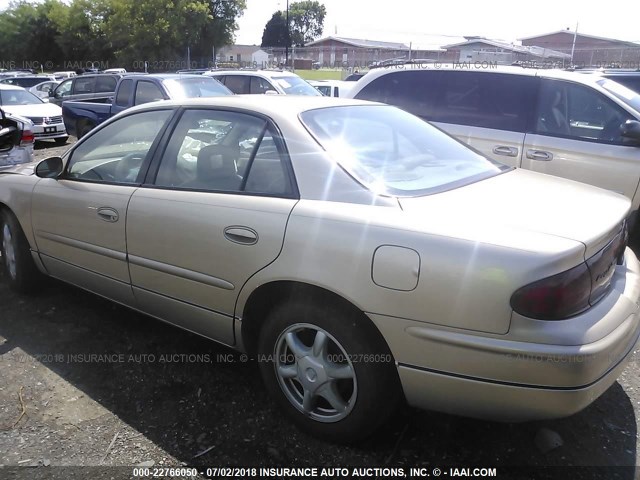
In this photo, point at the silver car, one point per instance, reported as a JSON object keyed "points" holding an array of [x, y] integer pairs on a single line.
{"points": [[360, 255]]}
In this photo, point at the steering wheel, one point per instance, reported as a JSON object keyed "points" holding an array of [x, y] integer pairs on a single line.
{"points": [[611, 130], [128, 167]]}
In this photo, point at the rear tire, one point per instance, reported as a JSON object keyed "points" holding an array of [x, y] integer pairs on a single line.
{"points": [[18, 265], [83, 128], [329, 370]]}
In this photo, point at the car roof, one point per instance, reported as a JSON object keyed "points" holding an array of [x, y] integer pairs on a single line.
{"points": [[280, 106], [4, 86], [485, 67], [162, 76], [266, 73]]}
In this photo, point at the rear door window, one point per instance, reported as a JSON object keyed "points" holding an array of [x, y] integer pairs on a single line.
{"points": [[124, 92], [147, 92], [238, 84], [106, 83], [84, 85], [479, 99]]}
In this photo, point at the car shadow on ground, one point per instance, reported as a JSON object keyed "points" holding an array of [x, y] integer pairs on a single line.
{"points": [[205, 395]]}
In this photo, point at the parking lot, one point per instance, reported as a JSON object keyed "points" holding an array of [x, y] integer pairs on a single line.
{"points": [[86, 382]]}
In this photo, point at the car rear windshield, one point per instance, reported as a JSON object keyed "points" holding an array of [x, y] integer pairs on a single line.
{"points": [[18, 97], [623, 93], [195, 87], [293, 85], [395, 153]]}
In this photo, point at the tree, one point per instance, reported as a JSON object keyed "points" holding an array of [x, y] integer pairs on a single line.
{"points": [[222, 25], [275, 32], [306, 19]]}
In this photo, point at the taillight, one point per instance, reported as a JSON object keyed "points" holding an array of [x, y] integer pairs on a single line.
{"points": [[574, 291], [555, 298], [27, 138]]}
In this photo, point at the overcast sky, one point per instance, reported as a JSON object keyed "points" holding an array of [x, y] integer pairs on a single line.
{"points": [[417, 20], [404, 20]]}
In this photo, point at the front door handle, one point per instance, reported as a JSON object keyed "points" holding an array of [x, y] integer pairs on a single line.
{"points": [[505, 151], [241, 235], [108, 214], [540, 155]]}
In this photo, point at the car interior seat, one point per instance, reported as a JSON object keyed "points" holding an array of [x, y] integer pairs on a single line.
{"points": [[217, 169]]}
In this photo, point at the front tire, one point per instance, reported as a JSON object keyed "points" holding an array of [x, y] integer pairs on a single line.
{"points": [[17, 263], [329, 370], [61, 141]]}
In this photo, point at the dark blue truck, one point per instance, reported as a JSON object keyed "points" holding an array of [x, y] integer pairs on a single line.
{"points": [[80, 117]]}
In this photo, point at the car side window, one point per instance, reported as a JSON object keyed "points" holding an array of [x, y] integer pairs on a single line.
{"points": [[124, 92], [147, 92], [64, 89], [260, 86], [413, 91], [574, 111], [115, 153], [238, 84], [222, 151], [106, 83], [84, 85], [480, 99]]}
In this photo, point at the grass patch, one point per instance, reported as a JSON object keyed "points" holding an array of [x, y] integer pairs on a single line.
{"points": [[322, 74]]}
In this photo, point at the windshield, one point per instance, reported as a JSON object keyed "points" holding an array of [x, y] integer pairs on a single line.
{"points": [[622, 93], [293, 85], [195, 87], [18, 97], [393, 152]]}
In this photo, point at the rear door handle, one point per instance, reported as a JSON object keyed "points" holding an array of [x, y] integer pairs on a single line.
{"points": [[540, 155], [241, 235], [108, 214], [505, 151]]}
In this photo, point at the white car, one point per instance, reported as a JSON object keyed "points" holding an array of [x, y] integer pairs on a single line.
{"points": [[332, 88], [21, 151], [46, 117], [44, 89], [115, 70], [62, 75], [263, 82]]}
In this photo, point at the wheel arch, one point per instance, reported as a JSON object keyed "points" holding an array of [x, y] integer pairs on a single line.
{"points": [[268, 295]]}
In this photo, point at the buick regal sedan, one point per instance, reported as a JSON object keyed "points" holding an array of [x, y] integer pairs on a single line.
{"points": [[363, 257]]}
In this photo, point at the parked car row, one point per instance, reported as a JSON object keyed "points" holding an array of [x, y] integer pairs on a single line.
{"points": [[363, 256], [82, 116], [45, 117]]}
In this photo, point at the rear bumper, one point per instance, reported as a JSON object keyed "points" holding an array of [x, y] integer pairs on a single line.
{"points": [[501, 379]]}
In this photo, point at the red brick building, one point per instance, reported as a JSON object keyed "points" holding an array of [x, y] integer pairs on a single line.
{"points": [[589, 49]]}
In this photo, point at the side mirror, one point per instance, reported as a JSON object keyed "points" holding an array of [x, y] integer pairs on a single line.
{"points": [[271, 92], [631, 129], [50, 168], [51, 92]]}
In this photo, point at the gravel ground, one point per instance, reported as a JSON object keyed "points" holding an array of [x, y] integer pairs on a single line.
{"points": [[155, 395]]}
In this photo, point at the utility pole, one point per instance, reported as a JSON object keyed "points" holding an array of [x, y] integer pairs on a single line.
{"points": [[286, 46], [573, 47]]}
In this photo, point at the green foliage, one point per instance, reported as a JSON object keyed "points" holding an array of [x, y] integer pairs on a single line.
{"points": [[307, 21], [275, 32], [116, 32]]}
